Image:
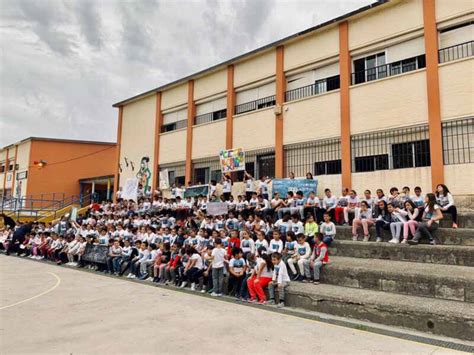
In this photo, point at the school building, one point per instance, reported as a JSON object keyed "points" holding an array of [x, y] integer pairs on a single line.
{"points": [[379, 97], [46, 170]]}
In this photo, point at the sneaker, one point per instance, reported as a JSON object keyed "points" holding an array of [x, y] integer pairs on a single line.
{"points": [[149, 279], [301, 279], [295, 278], [252, 300], [316, 282], [455, 226], [366, 238], [378, 240], [219, 295], [394, 241], [271, 302], [193, 287], [203, 291], [404, 241], [433, 242], [305, 280], [354, 238], [214, 294], [413, 242], [128, 276], [183, 284], [262, 302], [281, 305]]}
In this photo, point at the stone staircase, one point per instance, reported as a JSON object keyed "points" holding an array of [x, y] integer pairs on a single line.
{"points": [[423, 287]]}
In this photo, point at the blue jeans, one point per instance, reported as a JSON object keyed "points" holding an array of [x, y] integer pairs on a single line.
{"points": [[117, 262]]}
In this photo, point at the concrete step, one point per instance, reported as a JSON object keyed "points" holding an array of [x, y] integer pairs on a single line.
{"points": [[416, 279], [439, 254], [436, 316], [465, 220], [447, 236]]}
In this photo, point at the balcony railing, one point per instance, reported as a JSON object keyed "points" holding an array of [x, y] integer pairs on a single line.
{"points": [[255, 105], [319, 87], [211, 116], [458, 51], [174, 126], [386, 70]]}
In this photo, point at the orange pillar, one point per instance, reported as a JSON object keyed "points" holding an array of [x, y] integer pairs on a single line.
{"points": [[230, 108], [280, 99], [117, 159], [14, 170], [432, 86], [345, 79], [7, 163], [156, 155], [189, 136]]}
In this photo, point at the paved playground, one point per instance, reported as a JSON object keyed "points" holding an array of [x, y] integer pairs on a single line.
{"points": [[49, 309]]}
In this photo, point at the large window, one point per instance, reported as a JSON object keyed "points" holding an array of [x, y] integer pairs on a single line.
{"points": [[370, 68], [329, 167], [211, 111], [255, 98], [458, 141], [371, 163], [411, 154], [266, 165], [174, 120]]}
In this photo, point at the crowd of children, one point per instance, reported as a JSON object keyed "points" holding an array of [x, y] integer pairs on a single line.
{"points": [[258, 244]]}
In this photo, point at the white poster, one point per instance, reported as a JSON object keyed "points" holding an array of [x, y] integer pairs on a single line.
{"points": [[130, 189], [217, 208], [164, 179]]}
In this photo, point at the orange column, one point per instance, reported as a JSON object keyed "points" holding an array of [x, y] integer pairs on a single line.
{"points": [[156, 155], [230, 108], [432, 86], [14, 171], [117, 156], [7, 163], [189, 136], [345, 79], [280, 99]]}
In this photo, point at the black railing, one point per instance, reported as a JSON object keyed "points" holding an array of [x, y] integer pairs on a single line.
{"points": [[458, 141], [459, 51], [174, 126], [386, 70], [319, 87], [211, 116], [255, 105]]}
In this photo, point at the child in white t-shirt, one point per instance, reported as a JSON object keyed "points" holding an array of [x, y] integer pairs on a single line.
{"points": [[218, 258]]}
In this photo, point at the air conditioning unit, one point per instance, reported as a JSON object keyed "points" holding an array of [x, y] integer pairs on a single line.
{"points": [[278, 110]]}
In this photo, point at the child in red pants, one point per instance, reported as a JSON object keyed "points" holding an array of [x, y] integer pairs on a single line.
{"points": [[260, 278]]}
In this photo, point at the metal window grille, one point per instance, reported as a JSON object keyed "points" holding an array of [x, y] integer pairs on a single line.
{"points": [[458, 141], [268, 101], [205, 170], [176, 172], [458, 51], [174, 126], [394, 149], [385, 70], [259, 162], [211, 116], [321, 157], [319, 87]]}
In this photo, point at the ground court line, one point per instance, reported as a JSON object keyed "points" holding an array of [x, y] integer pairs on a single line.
{"points": [[58, 281]]}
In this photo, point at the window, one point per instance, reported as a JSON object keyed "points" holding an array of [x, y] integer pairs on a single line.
{"points": [[219, 115], [255, 98], [211, 111], [411, 154], [329, 167], [10, 167], [175, 120], [17, 166], [407, 65], [216, 175], [201, 176], [2, 168], [327, 84], [458, 141], [249, 168], [266, 165], [371, 163], [370, 68]]}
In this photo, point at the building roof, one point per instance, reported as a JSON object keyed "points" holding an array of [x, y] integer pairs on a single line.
{"points": [[255, 51], [60, 140]]}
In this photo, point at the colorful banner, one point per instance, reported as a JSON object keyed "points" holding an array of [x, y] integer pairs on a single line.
{"points": [[282, 186], [217, 208], [198, 190], [232, 160]]}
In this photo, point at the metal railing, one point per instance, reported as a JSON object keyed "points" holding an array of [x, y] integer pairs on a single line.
{"points": [[174, 126], [319, 87], [211, 116], [458, 141], [458, 51], [268, 101], [391, 69]]}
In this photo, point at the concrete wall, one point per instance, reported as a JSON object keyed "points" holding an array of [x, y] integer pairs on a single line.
{"points": [[175, 96], [459, 180], [312, 118], [456, 86], [332, 182], [208, 139], [23, 161], [138, 137], [385, 22], [173, 146], [451, 8], [390, 102], [254, 69], [211, 84], [312, 48], [254, 130]]}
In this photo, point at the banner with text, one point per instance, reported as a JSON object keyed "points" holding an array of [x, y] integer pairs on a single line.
{"points": [[232, 160], [282, 186], [217, 208], [130, 189], [198, 190]]}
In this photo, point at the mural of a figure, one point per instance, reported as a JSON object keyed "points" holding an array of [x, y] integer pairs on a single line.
{"points": [[144, 174]]}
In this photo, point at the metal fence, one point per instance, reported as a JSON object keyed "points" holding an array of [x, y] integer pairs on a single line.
{"points": [[268, 101], [211, 116], [391, 69], [458, 141], [391, 149], [174, 126], [321, 157], [319, 87], [458, 51]]}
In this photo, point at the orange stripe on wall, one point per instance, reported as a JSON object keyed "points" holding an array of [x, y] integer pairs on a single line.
{"points": [[117, 159], [345, 79], [230, 108], [432, 87], [14, 170], [7, 163], [280, 99], [189, 136], [156, 155]]}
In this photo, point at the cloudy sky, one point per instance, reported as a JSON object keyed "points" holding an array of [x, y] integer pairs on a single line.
{"points": [[64, 63]]}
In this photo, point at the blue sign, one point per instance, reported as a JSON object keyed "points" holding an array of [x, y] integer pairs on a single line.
{"points": [[196, 191], [282, 186]]}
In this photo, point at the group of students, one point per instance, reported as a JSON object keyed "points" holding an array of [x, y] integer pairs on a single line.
{"points": [[259, 244]]}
